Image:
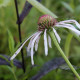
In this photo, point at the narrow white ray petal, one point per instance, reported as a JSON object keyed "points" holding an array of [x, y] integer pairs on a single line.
{"points": [[66, 21], [77, 24], [36, 43], [57, 36], [29, 45], [71, 21], [32, 46], [73, 29], [28, 52], [69, 25], [19, 49], [49, 41], [45, 43]]}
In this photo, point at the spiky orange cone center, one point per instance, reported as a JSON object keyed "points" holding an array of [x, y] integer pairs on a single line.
{"points": [[45, 22]]}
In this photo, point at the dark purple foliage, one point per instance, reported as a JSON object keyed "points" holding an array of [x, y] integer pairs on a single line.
{"points": [[48, 66], [25, 11], [4, 62]]}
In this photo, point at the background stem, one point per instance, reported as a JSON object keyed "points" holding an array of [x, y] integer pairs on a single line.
{"points": [[19, 29], [67, 44], [51, 33]]}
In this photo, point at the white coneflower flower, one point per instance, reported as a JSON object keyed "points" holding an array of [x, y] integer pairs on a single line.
{"points": [[45, 23]]}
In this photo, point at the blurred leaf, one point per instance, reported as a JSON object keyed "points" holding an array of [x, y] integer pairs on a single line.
{"points": [[66, 67], [25, 11], [67, 6], [10, 41], [10, 69], [4, 3], [47, 67], [41, 8], [76, 53], [4, 62], [77, 10], [6, 75]]}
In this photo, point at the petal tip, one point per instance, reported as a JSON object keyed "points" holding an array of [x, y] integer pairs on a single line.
{"points": [[11, 58]]}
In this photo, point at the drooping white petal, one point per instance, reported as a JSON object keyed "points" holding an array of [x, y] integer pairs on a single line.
{"points": [[32, 46], [28, 52], [45, 43], [49, 41], [77, 24], [57, 36], [72, 21], [36, 43], [72, 29], [19, 49], [69, 25], [29, 45]]}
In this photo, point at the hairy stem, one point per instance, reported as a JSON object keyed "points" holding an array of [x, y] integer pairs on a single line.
{"points": [[51, 33]]}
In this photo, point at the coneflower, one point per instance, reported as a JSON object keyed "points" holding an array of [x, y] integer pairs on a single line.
{"points": [[47, 22]]}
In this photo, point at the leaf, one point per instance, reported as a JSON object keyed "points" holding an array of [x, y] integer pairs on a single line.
{"points": [[77, 10], [4, 62], [67, 6], [66, 67], [4, 3], [47, 67], [25, 11], [10, 41], [10, 69]]}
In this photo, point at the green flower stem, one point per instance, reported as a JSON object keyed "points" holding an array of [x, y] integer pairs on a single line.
{"points": [[51, 33], [67, 44], [41, 8]]}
